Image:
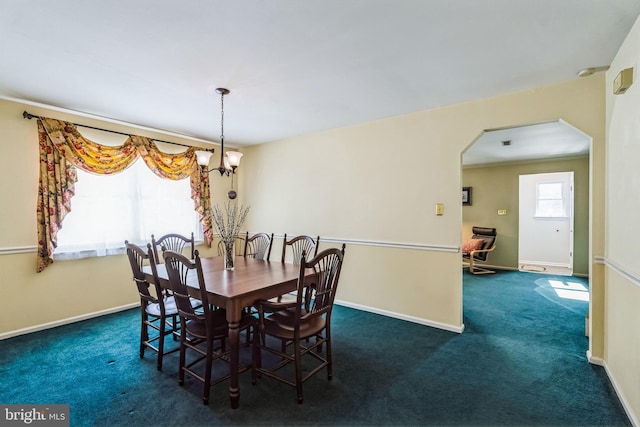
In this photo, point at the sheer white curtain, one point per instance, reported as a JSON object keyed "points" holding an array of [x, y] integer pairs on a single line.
{"points": [[109, 209]]}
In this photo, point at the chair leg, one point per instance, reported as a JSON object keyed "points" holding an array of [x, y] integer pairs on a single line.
{"points": [[298, 362], [328, 355], [319, 348], [474, 269], [183, 349], [161, 343], [256, 356], [207, 373], [263, 336], [471, 265], [175, 326], [144, 333]]}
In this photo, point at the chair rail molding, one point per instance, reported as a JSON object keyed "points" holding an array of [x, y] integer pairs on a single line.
{"points": [[382, 243], [621, 270], [18, 250]]}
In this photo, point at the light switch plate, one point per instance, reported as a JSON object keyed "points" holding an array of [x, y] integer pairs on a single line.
{"points": [[439, 209], [502, 211]]}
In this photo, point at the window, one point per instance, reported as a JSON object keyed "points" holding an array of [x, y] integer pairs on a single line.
{"points": [[106, 210], [550, 201]]}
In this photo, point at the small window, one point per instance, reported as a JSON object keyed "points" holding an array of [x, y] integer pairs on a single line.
{"points": [[550, 200]]}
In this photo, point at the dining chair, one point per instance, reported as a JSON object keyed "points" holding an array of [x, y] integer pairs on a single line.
{"points": [[299, 244], [158, 311], [173, 242], [258, 246], [294, 323], [200, 328]]}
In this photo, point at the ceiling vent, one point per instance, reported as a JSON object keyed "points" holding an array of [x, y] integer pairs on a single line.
{"points": [[506, 143]]}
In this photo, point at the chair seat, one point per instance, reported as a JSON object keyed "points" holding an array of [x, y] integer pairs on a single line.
{"points": [[170, 308], [281, 324], [287, 298], [195, 302], [290, 298], [198, 329]]}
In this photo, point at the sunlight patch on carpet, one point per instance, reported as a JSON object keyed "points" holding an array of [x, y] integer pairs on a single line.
{"points": [[567, 292], [570, 290]]}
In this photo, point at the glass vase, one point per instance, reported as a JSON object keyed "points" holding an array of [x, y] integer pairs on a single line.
{"points": [[229, 254]]}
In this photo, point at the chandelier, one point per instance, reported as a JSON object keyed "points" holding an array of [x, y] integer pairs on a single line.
{"points": [[230, 161]]}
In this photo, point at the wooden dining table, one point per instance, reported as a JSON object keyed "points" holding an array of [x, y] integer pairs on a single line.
{"points": [[251, 280]]}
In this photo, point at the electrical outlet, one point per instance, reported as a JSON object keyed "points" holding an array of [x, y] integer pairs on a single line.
{"points": [[502, 211]]}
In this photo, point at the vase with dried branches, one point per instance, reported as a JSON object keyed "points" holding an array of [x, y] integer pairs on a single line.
{"points": [[228, 225]]}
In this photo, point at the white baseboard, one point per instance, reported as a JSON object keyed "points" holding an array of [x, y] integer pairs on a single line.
{"points": [[496, 267], [502, 267], [49, 325], [625, 403], [543, 264], [421, 321], [66, 321], [594, 360]]}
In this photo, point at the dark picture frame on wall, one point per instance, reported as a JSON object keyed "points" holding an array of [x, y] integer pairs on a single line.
{"points": [[466, 196]]}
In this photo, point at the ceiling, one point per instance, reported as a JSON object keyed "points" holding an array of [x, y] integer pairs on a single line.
{"points": [[539, 141], [293, 66]]}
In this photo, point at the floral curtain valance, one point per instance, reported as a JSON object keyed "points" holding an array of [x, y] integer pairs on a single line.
{"points": [[63, 148]]}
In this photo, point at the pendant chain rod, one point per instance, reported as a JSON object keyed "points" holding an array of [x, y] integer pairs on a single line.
{"points": [[222, 119], [221, 168]]}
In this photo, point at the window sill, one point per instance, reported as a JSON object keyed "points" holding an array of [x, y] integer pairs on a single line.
{"points": [[550, 217], [70, 254]]}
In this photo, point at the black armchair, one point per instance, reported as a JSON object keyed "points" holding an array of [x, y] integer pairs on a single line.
{"points": [[477, 249]]}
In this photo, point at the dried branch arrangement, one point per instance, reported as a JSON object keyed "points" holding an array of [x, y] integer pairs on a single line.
{"points": [[228, 225]]}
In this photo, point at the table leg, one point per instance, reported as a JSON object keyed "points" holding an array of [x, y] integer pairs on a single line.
{"points": [[234, 341]]}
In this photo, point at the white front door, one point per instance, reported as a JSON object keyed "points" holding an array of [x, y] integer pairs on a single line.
{"points": [[545, 238]]}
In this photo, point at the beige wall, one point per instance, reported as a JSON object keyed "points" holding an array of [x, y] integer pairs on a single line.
{"points": [[379, 182], [496, 187], [622, 351]]}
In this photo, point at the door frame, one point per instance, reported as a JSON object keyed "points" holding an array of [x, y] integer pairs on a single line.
{"points": [[537, 263]]}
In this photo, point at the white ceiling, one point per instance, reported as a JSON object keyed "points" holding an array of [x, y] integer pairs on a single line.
{"points": [[539, 141], [293, 66]]}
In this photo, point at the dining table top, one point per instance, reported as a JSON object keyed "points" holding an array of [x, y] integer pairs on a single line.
{"points": [[249, 277]]}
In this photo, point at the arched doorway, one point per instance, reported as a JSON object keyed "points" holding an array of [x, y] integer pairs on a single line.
{"points": [[492, 165]]}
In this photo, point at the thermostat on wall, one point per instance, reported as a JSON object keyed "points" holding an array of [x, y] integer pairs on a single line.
{"points": [[623, 81]]}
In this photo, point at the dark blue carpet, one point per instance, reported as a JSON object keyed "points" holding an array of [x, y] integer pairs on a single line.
{"points": [[520, 362]]}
